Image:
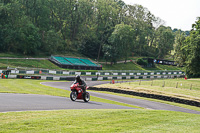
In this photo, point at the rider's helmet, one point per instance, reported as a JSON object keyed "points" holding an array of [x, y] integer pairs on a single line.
{"points": [[78, 78]]}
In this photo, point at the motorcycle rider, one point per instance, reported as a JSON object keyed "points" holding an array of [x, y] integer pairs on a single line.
{"points": [[81, 82]]}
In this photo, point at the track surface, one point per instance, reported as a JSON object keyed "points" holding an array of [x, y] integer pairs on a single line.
{"points": [[27, 102], [137, 102]]}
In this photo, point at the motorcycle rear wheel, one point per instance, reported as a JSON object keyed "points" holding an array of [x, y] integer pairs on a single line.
{"points": [[86, 97]]}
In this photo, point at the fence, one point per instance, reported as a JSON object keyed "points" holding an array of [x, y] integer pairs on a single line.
{"points": [[167, 83]]}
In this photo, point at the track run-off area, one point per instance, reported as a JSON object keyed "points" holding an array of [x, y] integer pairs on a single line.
{"points": [[29, 102]]}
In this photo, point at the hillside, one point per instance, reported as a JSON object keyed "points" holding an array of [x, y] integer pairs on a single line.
{"points": [[30, 63]]}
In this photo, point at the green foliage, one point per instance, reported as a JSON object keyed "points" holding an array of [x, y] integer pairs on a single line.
{"points": [[94, 28], [123, 37], [180, 57], [140, 61], [188, 51], [165, 41], [52, 42], [120, 43], [29, 39]]}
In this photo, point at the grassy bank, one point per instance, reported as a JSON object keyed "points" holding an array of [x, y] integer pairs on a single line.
{"points": [[99, 121], [187, 89], [168, 67], [122, 66], [45, 64]]}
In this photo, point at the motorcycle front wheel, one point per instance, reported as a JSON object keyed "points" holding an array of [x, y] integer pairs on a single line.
{"points": [[73, 96]]}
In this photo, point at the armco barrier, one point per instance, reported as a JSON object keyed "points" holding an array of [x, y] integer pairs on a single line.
{"points": [[41, 77], [134, 77], [12, 76], [98, 73], [94, 79], [154, 96]]}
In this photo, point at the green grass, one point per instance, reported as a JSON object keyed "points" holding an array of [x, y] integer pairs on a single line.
{"points": [[168, 67], [164, 67], [122, 66], [25, 86], [14, 55], [99, 121], [10, 55], [169, 89], [45, 64], [133, 66]]}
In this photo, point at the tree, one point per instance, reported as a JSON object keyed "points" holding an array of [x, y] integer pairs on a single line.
{"points": [[123, 37], [83, 26], [52, 43], [188, 50], [111, 53], [29, 38], [107, 16], [179, 55], [165, 41], [193, 51]]}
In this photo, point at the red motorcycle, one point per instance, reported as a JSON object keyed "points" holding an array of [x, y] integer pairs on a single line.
{"points": [[77, 93]]}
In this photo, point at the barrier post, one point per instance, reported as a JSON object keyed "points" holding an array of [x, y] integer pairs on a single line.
{"points": [[163, 84], [113, 81], [177, 85]]}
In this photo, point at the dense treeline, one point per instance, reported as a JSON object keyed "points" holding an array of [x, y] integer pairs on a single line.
{"points": [[187, 50], [107, 29]]}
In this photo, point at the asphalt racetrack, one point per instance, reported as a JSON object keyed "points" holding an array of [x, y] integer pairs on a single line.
{"points": [[30, 102]]}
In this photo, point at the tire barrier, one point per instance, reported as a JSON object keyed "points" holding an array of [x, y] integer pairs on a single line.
{"points": [[154, 96]]}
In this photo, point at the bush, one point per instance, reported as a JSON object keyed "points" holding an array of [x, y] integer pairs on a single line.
{"points": [[140, 61]]}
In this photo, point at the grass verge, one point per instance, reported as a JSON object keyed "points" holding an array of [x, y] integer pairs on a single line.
{"points": [[99, 121], [179, 88]]}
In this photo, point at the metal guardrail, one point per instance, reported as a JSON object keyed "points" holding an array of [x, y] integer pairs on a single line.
{"points": [[22, 70], [100, 71], [137, 71]]}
